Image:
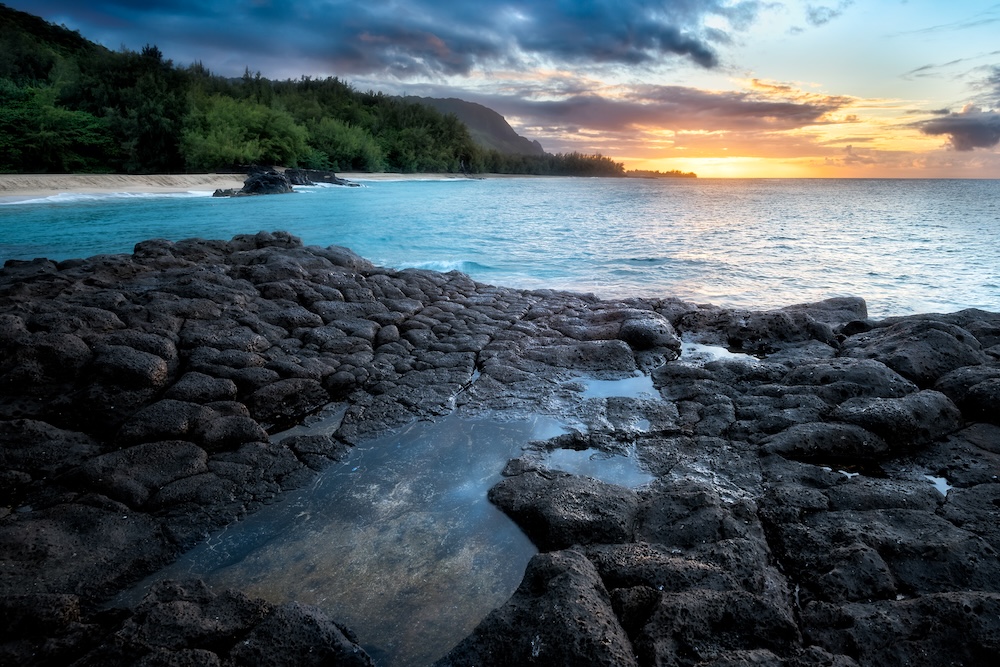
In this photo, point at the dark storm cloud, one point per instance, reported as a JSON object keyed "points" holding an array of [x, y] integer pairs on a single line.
{"points": [[607, 32], [971, 128], [419, 37]]}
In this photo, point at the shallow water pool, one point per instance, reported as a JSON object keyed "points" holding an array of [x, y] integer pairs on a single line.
{"points": [[398, 542]]}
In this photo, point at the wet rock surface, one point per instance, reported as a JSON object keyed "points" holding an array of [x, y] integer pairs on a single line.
{"points": [[792, 518], [267, 181]]}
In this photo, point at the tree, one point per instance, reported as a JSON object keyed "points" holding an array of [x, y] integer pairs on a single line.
{"points": [[346, 148], [222, 131], [36, 135], [142, 97]]}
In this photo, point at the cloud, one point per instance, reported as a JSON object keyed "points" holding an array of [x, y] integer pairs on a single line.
{"points": [[675, 108], [817, 15], [416, 38], [970, 128], [989, 87], [853, 158], [988, 17], [631, 120], [936, 70]]}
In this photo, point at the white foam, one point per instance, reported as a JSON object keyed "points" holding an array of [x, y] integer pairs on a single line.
{"points": [[702, 354], [81, 197]]}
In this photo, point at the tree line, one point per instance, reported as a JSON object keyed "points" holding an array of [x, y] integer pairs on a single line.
{"points": [[70, 105]]}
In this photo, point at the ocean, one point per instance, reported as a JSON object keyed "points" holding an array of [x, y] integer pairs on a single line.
{"points": [[906, 246]]}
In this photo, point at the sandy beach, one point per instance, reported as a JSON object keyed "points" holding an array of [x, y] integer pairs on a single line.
{"points": [[44, 185], [28, 185]]}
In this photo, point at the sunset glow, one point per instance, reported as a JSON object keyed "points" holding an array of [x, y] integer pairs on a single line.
{"points": [[725, 88]]}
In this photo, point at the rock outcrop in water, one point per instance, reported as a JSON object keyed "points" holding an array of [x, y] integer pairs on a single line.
{"points": [[273, 182], [791, 521]]}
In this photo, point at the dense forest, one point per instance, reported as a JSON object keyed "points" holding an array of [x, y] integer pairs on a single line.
{"points": [[70, 105]]}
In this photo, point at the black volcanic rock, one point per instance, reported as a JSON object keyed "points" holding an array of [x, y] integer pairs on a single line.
{"points": [[560, 615], [558, 510], [791, 518], [919, 350], [824, 442], [266, 183], [177, 623]]}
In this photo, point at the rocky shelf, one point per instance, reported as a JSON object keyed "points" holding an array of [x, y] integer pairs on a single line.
{"points": [[792, 519]]}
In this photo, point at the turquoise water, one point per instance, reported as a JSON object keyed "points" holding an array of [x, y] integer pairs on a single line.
{"points": [[905, 246]]}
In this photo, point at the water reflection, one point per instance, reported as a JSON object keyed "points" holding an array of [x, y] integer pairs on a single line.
{"points": [[613, 468], [399, 542], [638, 386]]}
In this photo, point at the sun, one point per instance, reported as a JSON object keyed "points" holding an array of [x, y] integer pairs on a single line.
{"points": [[735, 167]]}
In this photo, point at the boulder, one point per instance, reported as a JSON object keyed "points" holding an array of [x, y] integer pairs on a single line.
{"points": [[558, 510], [734, 627], [167, 419], [91, 549], [920, 350], [837, 380], [297, 635], [129, 367], [132, 475], [183, 623], [195, 387], [599, 355], [265, 183], [818, 441], [650, 332], [905, 423], [942, 629], [287, 401], [561, 614], [983, 401]]}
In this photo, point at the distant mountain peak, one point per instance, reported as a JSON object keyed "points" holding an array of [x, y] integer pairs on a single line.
{"points": [[489, 129]]}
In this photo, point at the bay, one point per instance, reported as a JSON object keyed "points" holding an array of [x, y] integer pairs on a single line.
{"points": [[906, 246]]}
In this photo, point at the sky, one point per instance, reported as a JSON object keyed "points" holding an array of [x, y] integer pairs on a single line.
{"points": [[724, 88]]}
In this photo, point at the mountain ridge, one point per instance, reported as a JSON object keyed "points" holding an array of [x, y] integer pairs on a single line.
{"points": [[489, 129]]}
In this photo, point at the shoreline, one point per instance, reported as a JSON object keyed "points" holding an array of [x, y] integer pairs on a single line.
{"points": [[47, 185]]}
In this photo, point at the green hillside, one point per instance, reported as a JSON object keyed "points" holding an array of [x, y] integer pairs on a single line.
{"points": [[69, 105], [489, 129]]}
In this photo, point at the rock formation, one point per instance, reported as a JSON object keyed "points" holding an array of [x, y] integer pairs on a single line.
{"points": [[791, 519], [273, 182]]}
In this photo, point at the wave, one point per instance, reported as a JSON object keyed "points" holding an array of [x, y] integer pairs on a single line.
{"points": [[81, 197], [445, 265], [323, 186]]}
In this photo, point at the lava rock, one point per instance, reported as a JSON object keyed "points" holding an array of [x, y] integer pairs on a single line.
{"points": [[905, 423], [820, 441], [558, 510], [920, 350], [132, 475], [837, 380], [265, 183], [561, 614]]}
